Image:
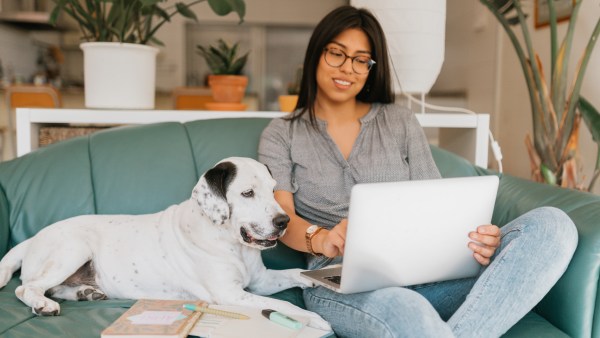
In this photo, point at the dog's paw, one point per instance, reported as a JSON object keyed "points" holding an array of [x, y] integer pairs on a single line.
{"points": [[302, 281], [90, 293], [46, 308]]}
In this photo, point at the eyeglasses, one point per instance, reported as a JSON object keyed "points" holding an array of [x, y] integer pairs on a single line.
{"points": [[336, 58]]}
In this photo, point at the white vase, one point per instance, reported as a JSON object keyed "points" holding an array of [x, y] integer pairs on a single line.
{"points": [[119, 75], [415, 31]]}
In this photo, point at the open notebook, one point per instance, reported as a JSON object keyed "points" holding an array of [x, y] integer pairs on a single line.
{"points": [[213, 326]]}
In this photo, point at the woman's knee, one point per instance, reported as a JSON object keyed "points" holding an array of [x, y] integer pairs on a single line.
{"points": [[388, 312], [552, 227]]}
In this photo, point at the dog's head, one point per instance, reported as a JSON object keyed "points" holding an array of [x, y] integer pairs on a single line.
{"points": [[238, 193]]}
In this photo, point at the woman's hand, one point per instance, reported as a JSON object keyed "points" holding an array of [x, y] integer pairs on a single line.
{"points": [[487, 240], [331, 243]]}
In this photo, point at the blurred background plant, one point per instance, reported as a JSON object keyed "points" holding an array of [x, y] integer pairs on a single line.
{"points": [[133, 21], [223, 59], [557, 108]]}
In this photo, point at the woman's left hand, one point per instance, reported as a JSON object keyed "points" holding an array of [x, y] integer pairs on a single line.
{"points": [[486, 240]]}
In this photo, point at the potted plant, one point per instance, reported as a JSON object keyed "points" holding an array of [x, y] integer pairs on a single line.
{"points": [[227, 84], [119, 65], [287, 103], [557, 108]]}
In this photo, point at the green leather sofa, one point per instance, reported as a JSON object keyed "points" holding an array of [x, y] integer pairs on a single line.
{"points": [[144, 169]]}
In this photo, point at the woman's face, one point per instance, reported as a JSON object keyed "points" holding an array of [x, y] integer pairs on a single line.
{"points": [[342, 84]]}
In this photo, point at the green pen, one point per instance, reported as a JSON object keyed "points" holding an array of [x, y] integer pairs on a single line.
{"points": [[282, 319]]}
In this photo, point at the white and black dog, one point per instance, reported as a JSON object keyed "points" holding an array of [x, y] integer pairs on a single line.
{"points": [[206, 248]]}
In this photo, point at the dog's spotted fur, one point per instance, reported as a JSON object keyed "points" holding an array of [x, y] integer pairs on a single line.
{"points": [[206, 248]]}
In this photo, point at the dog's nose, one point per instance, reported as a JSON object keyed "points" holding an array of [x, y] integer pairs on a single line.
{"points": [[281, 221]]}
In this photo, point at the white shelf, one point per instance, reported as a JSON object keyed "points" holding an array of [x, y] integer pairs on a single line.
{"points": [[463, 134]]}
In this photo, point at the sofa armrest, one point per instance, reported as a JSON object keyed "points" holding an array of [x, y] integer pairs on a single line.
{"points": [[572, 302]]}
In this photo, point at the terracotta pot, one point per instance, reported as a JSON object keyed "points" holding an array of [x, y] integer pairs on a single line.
{"points": [[287, 103], [228, 88]]}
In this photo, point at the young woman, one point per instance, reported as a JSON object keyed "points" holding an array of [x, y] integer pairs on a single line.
{"points": [[346, 130]]}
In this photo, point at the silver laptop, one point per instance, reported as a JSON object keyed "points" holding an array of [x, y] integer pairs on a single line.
{"points": [[412, 232]]}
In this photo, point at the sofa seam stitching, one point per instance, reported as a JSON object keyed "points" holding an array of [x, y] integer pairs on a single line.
{"points": [[93, 186], [9, 206], [187, 134]]}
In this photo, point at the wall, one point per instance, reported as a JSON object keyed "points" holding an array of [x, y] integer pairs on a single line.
{"points": [[18, 54], [514, 108]]}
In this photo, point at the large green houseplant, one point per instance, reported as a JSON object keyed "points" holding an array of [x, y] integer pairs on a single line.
{"points": [[557, 107], [133, 21], [119, 64]]}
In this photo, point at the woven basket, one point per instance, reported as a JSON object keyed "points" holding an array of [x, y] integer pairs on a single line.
{"points": [[50, 135]]}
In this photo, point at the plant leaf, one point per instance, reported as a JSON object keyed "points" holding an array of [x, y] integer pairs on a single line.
{"points": [[222, 58], [162, 13], [547, 174], [591, 116], [185, 11], [224, 7], [238, 65], [220, 7]]}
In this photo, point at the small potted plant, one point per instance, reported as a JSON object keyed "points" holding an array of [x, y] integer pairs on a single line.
{"points": [[227, 84], [287, 103], [119, 65]]}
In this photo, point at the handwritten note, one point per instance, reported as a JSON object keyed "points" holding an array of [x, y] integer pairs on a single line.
{"points": [[156, 317]]}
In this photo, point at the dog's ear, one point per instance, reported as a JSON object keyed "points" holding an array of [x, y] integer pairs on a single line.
{"points": [[211, 191], [268, 169]]}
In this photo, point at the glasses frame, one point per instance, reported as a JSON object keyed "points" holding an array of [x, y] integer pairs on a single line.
{"points": [[370, 64]]}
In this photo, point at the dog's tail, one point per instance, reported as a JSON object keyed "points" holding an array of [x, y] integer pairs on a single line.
{"points": [[11, 262]]}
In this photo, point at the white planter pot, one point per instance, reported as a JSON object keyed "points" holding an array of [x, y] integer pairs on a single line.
{"points": [[119, 75]]}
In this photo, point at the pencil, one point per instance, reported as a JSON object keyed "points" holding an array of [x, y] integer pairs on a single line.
{"points": [[217, 312]]}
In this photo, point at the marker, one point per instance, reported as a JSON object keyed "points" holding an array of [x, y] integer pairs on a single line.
{"points": [[282, 319], [222, 313]]}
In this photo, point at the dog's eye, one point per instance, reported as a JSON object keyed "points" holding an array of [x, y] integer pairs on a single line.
{"points": [[248, 193]]}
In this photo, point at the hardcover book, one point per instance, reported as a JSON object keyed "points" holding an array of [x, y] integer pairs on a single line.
{"points": [[154, 318]]}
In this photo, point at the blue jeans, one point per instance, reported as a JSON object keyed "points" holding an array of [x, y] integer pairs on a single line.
{"points": [[535, 251]]}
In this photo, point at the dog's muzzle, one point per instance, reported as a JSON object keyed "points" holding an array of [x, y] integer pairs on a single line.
{"points": [[279, 223], [267, 243]]}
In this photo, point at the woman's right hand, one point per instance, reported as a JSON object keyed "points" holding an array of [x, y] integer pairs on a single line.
{"points": [[331, 243]]}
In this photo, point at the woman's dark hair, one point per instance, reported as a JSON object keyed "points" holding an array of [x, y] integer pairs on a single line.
{"points": [[378, 87]]}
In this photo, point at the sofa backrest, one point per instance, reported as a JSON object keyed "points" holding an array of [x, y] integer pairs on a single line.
{"points": [[132, 170]]}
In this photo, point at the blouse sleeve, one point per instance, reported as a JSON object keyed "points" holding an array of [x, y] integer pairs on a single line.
{"points": [[274, 152], [421, 163]]}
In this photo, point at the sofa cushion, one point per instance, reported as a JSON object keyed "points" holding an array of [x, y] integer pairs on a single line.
{"points": [[213, 140], [452, 165], [46, 186], [532, 325], [152, 169], [77, 319]]}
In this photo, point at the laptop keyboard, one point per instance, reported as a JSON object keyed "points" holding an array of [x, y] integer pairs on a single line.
{"points": [[334, 279]]}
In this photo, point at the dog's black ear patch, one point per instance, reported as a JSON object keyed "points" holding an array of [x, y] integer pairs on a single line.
{"points": [[219, 178], [269, 170]]}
